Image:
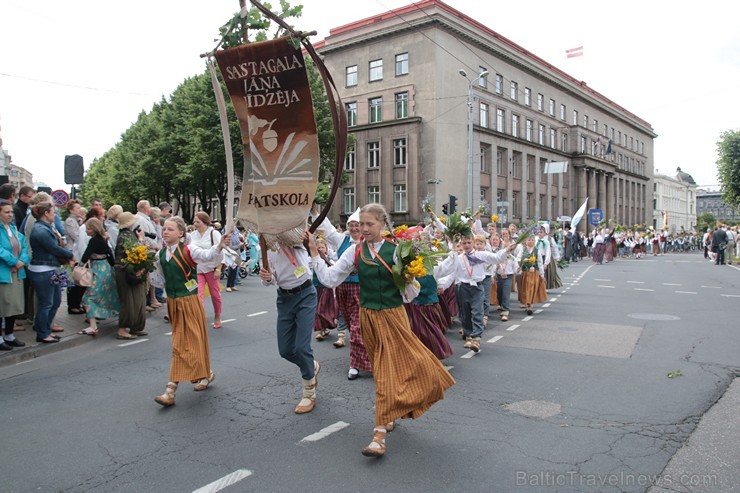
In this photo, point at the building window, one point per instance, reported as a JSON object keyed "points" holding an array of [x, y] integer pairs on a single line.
{"points": [[543, 214], [596, 126], [376, 110], [528, 96], [606, 127], [619, 138], [352, 114], [612, 134], [514, 90], [483, 81], [528, 130], [562, 112], [541, 135], [516, 165], [540, 102], [583, 145], [499, 84], [485, 152], [514, 205], [373, 154], [402, 64], [553, 138], [500, 125], [554, 207], [399, 198], [483, 194], [349, 160], [399, 152], [543, 175], [585, 121], [373, 194], [632, 144], [484, 115], [552, 107], [515, 125], [530, 168], [529, 205], [349, 200], [564, 139], [351, 76], [402, 105], [500, 162], [575, 117], [376, 70]]}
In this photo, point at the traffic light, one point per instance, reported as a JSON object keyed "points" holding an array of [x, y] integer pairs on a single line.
{"points": [[445, 210], [453, 204]]}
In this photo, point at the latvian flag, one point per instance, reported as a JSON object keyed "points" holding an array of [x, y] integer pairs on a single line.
{"points": [[574, 52]]}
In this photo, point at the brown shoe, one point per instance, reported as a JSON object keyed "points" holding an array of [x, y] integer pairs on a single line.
{"points": [[168, 398], [340, 342], [308, 401], [475, 344], [205, 382], [376, 448], [468, 342]]}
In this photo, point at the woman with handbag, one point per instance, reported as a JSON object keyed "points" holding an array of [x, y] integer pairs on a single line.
{"points": [[131, 288], [13, 259], [46, 257], [101, 298]]}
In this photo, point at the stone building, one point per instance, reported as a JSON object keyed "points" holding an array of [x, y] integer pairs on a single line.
{"points": [[405, 77], [674, 202]]}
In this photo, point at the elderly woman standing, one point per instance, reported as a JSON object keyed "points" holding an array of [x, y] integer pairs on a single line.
{"points": [[131, 289], [45, 261], [101, 299], [204, 237], [13, 259]]}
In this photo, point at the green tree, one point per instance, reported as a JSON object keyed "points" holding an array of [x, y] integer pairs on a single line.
{"points": [[728, 166], [705, 221]]}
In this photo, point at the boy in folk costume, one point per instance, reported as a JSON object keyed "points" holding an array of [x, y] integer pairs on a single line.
{"points": [[469, 270], [296, 305], [348, 295], [532, 280], [481, 245], [190, 352], [409, 379]]}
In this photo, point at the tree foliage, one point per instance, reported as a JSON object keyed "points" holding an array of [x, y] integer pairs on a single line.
{"points": [[728, 166], [175, 151], [705, 221]]}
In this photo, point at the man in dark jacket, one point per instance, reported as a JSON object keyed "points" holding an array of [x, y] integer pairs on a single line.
{"points": [[719, 243], [20, 209]]}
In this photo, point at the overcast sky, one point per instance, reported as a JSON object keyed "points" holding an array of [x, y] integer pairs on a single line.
{"points": [[74, 75]]}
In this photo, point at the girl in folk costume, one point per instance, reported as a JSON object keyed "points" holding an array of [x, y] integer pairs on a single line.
{"points": [[326, 306], [469, 269], [550, 258], [532, 279], [348, 295], [598, 254], [408, 377], [190, 353], [609, 245], [639, 245]]}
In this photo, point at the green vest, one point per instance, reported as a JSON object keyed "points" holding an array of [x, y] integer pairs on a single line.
{"points": [[377, 289], [174, 277]]}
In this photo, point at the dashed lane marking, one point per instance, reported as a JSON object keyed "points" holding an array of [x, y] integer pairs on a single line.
{"points": [[168, 333], [225, 482], [636, 282], [685, 292], [643, 289], [603, 280], [604, 286], [255, 314], [137, 341], [513, 327], [671, 284], [538, 311], [527, 319], [546, 305], [315, 437], [229, 320], [494, 339], [712, 287], [731, 295], [468, 355]]}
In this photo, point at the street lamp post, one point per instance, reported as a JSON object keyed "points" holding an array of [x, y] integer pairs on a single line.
{"points": [[470, 132]]}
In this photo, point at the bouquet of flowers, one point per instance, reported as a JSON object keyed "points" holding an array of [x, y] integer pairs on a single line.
{"points": [[562, 264], [525, 233], [494, 218], [528, 262], [426, 204], [416, 258], [137, 261], [63, 277], [484, 207], [457, 226]]}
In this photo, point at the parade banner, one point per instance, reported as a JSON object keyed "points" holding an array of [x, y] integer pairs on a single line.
{"points": [[269, 89]]}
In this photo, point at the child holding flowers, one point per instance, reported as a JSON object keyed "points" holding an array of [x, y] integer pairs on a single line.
{"points": [[531, 285], [409, 379]]}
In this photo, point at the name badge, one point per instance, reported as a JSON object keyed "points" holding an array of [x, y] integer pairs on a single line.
{"points": [[191, 285], [300, 271]]}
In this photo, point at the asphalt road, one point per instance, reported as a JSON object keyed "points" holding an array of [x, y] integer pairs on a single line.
{"points": [[575, 398]]}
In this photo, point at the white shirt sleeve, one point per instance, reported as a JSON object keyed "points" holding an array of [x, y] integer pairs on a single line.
{"points": [[335, 275]]}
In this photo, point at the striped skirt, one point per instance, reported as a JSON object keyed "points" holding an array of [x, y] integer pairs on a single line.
{"points": [[427, 322], [531, 288], [408, 378], [327, 311], [348, 295], [190, 351]]}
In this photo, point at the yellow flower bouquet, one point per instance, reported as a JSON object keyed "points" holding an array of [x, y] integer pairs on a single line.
{"points": [[528, 262], [416, 258], [137, 262]]}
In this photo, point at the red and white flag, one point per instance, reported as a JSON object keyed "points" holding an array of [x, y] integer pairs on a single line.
{"points": [[574, 52]]}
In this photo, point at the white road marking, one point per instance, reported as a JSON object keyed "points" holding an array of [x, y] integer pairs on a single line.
{"points": [[712, 287], [636, 282], [686, 292], [513, 327], [603, 280], [671, 284], [527, 319], [546, 305], [604, 286], [467, 355], [255, 314], [448, 368], [168, 333], [538, 311], [224, 482], [643, 289], [137, 341], [731, 295], [494, 339], [339, 425], [733, 267], [554, 299], [229, 320]]}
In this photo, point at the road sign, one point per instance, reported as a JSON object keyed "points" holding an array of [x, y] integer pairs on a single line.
{"points": [[595, 216], [60, 198], [564, 219]]}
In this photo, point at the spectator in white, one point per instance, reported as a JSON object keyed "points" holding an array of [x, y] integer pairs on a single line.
{"points": [[111, 224], [144, 221], [20, 209], [204, 236], [731, 240]]}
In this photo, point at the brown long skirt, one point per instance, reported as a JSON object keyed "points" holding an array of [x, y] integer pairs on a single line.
{"points": [[409, 379], [531, 288], [190, 351]]}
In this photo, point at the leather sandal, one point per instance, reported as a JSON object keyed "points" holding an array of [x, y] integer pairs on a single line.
{"points": [[168, 398], [475, 344], [341, 340], [376, 448], [203, 383]]}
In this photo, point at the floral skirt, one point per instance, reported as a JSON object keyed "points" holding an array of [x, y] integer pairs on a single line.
{"points": [[101, 299]]}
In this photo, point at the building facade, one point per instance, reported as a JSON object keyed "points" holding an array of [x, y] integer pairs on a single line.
{"points": [[405, 77], [674, 202], [16, 175], [711, 202]]}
